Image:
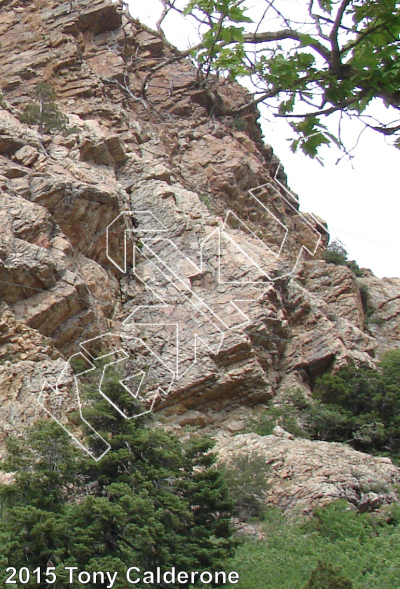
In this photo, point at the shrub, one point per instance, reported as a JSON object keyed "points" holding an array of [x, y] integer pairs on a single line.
{"points": [[327, 423], [150, 501], [265, 422], [44, 112], [327, 576], [367, 403], [360, 406], [301, 417], [206, 200], [354, 267], [362, 547], [289, 415], [246, 478], [240, 124], [336, 254]]}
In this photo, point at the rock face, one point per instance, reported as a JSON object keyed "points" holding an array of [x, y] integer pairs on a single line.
{"points": [[383, 302], [152, 217], [306, 474]]}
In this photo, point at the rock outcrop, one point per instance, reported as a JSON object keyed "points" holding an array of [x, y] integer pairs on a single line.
{"points": [[306, 474], [165, 175]]}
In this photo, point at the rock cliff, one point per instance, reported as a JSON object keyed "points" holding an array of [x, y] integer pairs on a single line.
{"points": [[117, 222]]}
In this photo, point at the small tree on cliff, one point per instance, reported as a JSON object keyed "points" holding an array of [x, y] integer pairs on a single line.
{"points": [[44, 112]]}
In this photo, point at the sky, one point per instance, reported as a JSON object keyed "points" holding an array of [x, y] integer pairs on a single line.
{"points": [[360, 200]]}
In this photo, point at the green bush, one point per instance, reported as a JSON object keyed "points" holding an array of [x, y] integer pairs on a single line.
{"points": [[336, 254], [240, 124], [354, 267], [302, 417], [334, 258], [150, 501], [246, 478], [360, 548], [360, 406], [291, 414], [327, 576], [44, 112], [367, 403], [206, 200]]}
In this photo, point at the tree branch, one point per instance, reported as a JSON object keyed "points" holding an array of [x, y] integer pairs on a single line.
{"points": [[326, 111], [386, 130], [153, 70], [269, 36], [336, 62], [269, 94], [368, 31]]}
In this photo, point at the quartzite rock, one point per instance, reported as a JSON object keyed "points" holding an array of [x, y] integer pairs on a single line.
{"points": [[165, 154], [305, 474]]}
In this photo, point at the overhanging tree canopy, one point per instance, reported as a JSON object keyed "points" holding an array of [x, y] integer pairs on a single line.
{"points": [[329, 56]]}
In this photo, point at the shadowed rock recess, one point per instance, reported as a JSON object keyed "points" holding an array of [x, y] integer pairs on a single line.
{"points": [[172, 154]]}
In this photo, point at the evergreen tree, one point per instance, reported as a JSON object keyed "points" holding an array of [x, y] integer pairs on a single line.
{"points": [[367, 403], [149, 502], [44, 112]]}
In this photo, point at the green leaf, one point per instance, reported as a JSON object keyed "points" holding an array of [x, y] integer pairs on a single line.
{"points": [[237, 15], [369, 50], [306, 40], [325, 5], [287, 105]]}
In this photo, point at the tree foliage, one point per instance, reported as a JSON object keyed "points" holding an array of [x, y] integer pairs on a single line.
{"points": [[327, 56], [246, 477], [327, 576], [357, 405], [44, 112], [336, 254], [367, 402], [336, 545], [150, 501]]}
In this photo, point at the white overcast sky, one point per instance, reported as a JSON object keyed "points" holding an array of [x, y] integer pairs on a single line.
{"points": [[359, 200]]}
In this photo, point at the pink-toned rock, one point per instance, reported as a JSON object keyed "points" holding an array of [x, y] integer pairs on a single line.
{"points": [[305, 474], [27, 155], [60, 284]]}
